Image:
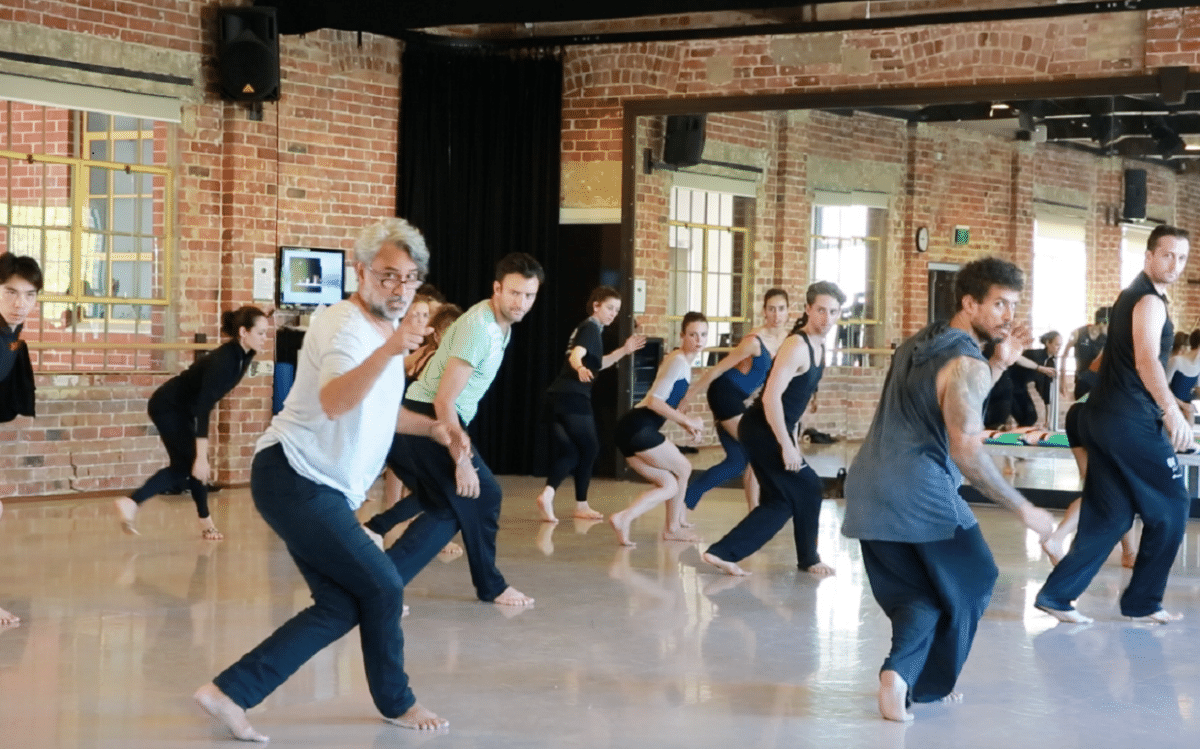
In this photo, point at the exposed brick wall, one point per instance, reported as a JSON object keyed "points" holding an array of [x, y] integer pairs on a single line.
{"points": [[319, 165]]}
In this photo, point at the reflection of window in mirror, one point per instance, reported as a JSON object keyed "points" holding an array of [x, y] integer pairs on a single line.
{"points": [[1059, 300], [709, 234], [1133, 252], [847, 242]]}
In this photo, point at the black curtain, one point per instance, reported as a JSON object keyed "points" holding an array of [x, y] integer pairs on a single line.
{"points": [[479, 176]]}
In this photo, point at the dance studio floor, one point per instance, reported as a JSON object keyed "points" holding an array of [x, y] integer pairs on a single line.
{"points": [[645, 647]]}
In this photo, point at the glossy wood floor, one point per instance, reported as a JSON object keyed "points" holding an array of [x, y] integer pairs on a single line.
{"points": [[646, 647]]}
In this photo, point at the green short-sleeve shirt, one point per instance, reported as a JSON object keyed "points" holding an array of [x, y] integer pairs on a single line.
{"points": [[477, 339]]}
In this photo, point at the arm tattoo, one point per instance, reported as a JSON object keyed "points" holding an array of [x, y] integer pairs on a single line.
{"points": [[967, 387]]}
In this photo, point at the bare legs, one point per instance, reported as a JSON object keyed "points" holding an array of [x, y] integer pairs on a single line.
{"points": [[667, 469], [1055, 545]]}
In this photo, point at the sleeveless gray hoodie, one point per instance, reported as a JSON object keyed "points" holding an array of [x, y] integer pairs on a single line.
{"points": [[903, 486]]}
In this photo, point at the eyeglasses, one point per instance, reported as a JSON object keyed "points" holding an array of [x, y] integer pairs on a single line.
{"points": [[390, 280]]}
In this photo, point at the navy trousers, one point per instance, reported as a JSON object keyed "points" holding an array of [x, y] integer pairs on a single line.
{"points": [[730, 467], [427, 469], [784, 494], [352, 583], [1132, 469], [935, 594]]}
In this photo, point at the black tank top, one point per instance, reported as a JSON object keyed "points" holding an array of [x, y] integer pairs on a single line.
{"points": [[1087, 348], [798, 392], [1121, 389]]}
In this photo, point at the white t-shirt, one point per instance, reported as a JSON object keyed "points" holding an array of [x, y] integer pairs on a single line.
{"points": [[346, 453]]}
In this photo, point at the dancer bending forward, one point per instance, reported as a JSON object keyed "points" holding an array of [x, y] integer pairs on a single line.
{"points": [[649, 453]]}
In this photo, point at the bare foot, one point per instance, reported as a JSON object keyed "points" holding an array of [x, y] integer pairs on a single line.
{"points": [[893, 691], [1161, 617], [127, 510], [952, 698], [452, 551], [585, 512], [679, 535], [419, 717], [220, 707], [209, 532], [545, 503], [8, 618], [820, 570], [1065, 615], [621, 523], [728, 568], [510, 597], [545, 538], [1055, 549], [684, 522]]}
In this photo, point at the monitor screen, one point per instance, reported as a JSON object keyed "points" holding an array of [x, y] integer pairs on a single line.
{"points": [[309, 277]]}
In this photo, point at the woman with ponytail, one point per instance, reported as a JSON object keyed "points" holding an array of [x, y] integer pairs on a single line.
{"points": [[180, 409]]}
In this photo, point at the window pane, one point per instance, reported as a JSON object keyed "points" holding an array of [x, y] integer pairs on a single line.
{"points": [[98, 181], [125, 123], [96, 122], [123, 214], [97, 214], [98, 150]]}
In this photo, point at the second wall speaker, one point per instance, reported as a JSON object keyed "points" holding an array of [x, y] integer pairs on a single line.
{"points": [[1135, 194], [248, 54], [683, 144]]}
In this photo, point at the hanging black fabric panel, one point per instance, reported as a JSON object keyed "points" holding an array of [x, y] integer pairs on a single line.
{"points": [[479, 175]]}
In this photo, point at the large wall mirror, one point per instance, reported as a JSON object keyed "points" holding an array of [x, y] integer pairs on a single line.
{"points": [[887, 192]]}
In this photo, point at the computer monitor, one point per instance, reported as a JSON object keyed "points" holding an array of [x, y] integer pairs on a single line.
{"points": [[309, 276]]}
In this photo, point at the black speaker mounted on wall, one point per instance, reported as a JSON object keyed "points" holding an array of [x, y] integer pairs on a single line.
{"points": [[683, 144], [248, 54], [1135, 194]]}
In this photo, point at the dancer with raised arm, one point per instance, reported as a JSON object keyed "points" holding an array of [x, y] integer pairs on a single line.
{"points": [[727, 385], [311, 472], [1132, 427], [180, 409], [647, 452], [573, 437], [20, 282], [790, 488], [930, 569]]}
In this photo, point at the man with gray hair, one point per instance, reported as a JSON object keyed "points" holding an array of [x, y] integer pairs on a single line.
{"points": [[311, 472]]}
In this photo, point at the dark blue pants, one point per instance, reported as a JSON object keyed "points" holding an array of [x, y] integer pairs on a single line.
{"points": [[177, 430], [730, 467], [1132, 469], [427, 469], [935, 594], [352, 583], [784, 494]]}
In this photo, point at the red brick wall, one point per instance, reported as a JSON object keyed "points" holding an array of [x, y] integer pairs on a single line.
{"points": [[319, 166]]}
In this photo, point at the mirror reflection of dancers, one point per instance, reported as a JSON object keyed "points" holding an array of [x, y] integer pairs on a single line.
{"points": [[649, 453], [20, 282], [180, 410], [790, 487], [729, 383], [573, 427]]}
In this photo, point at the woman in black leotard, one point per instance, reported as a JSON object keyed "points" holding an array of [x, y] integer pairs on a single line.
{"points": [[180, 409], [790, 488], [573, 425]]}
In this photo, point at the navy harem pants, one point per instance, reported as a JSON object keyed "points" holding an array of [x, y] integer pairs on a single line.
{"points": [[934, 593]]}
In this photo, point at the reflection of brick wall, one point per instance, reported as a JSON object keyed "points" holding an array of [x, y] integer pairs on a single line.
{"points": [[322, 162]]}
